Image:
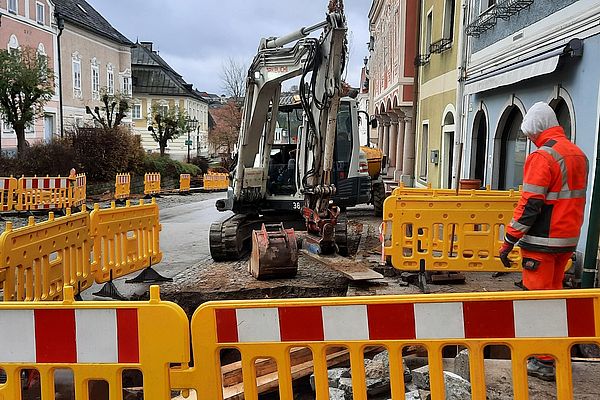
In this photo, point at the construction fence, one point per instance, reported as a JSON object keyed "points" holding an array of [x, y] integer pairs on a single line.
{"points": [[40, 259], [97, 341], [438, 230], [216, 181], [42, 193]]}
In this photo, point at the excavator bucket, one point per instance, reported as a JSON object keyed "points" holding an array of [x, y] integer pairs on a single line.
{"points": [[274, 252]]}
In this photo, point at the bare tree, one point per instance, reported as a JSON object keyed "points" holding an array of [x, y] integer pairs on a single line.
{"points": [[233, 79]]}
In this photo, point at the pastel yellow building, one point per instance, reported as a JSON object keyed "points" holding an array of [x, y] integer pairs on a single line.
{"points": [[438, 60]]}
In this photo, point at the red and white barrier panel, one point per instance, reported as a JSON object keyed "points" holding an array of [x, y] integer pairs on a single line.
{"points": [[85, 336], [43, 183], [405, 321]]}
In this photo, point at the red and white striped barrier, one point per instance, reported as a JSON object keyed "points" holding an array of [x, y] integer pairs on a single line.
{"points": [[43, 183], [555, 318], [72, 336], [8, 186]]}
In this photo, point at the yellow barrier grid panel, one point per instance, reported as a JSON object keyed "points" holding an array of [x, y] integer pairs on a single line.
{"points": [[216, 181], [152, 183], [38, 260], [93, 343], [185, 183], [122, 186], [78, 190], [48, 193], [8, 189], [403, 191], [528, 323], [125, 239], [451, 233]]}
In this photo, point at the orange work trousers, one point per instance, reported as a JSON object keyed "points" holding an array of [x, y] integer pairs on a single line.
{"points": [[544, 271]]}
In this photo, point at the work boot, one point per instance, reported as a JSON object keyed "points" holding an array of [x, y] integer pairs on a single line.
{"points": [[541, 369]]}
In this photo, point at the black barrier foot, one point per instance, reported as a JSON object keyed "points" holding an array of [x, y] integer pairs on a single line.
{"points": [[110, 290], [149, 276], [423, 278]]}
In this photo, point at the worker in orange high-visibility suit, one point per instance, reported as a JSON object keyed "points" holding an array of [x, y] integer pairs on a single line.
{"points": [[547, 220]]}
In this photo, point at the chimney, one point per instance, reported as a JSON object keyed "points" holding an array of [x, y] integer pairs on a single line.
{"points": [[146, 45]]}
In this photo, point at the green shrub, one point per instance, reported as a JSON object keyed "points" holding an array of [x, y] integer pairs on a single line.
{"points": [[201, 162], [167, 167], [104, 152], [52, 158]]}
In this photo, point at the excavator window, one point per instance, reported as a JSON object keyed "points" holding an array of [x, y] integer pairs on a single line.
{"points": [[343, 144]]}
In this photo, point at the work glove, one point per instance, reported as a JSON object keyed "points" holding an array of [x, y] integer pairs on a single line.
{"points": [[504, 252]]}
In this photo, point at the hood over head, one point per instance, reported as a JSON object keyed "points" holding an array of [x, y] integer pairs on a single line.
{"points": [[539, 118]]}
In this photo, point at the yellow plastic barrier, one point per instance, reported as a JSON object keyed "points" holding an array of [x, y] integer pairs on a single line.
{"points": [[402, 191], [529, 323], [8, 188], [125, 239], [215, 181], [451, 233], [152, 183], [122, 186], [39, 259], [94, 343], [185, 183], [98, 340], [49, 193], [78, 191]]}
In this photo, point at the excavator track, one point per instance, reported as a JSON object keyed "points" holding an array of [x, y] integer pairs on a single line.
{"points": [[341, 235], [227, 238], [230, 239]]}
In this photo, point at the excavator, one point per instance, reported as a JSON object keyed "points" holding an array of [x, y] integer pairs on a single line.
{"points": [[271, 200]]}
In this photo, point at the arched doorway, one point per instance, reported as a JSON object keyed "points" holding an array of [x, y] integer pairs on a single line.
{"points": [[447, 150], [564, 116], [478, 146], [513, 149]]}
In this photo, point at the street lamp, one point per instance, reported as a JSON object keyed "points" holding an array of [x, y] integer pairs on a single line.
{"points": [[192, 125]]}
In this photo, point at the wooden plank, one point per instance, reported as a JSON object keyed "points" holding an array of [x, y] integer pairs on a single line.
{"points": [[270, 382], [353, 270]]}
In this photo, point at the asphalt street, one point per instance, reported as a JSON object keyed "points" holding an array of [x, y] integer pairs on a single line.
{"points": [[183, 240]]}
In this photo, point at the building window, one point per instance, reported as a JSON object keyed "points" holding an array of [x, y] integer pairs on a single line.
{"points": [[110, 79], [449, 11], [126, 89], [163, 110], [12, 6], [77, 76], [136, 111], [95, 80], [487, 4], [13, 43], [428, 28], [424, 152], [40, 13]]}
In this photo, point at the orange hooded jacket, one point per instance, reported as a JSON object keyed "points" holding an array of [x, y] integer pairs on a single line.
{"points": [[550, 212]]}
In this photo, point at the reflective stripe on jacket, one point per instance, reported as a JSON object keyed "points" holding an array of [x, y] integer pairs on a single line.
{"points": [[549, 215]]}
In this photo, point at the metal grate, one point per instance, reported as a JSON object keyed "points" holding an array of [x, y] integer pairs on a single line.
{"points": [[440, 45], [422, 59], [486, 21], [507, 8]]}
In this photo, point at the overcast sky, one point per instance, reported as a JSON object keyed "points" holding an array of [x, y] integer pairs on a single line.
{"points": [[196, 36]]}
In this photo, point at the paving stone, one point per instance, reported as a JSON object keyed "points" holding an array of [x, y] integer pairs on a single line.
{"points": [[457, 388], [333, 376], [336, 394], [461, 365], [421, 377]]}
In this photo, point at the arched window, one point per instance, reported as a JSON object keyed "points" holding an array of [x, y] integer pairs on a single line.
{"points": [[478, 146], [513, 150], [13, 43], [561, 108], [447, 149]]}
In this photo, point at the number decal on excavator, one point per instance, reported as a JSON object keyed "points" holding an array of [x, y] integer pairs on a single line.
{"points": [[297, 205]]}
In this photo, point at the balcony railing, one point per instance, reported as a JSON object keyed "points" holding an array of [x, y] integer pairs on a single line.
{"points": [[502, 10], [422, 59], [440, 45]]}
